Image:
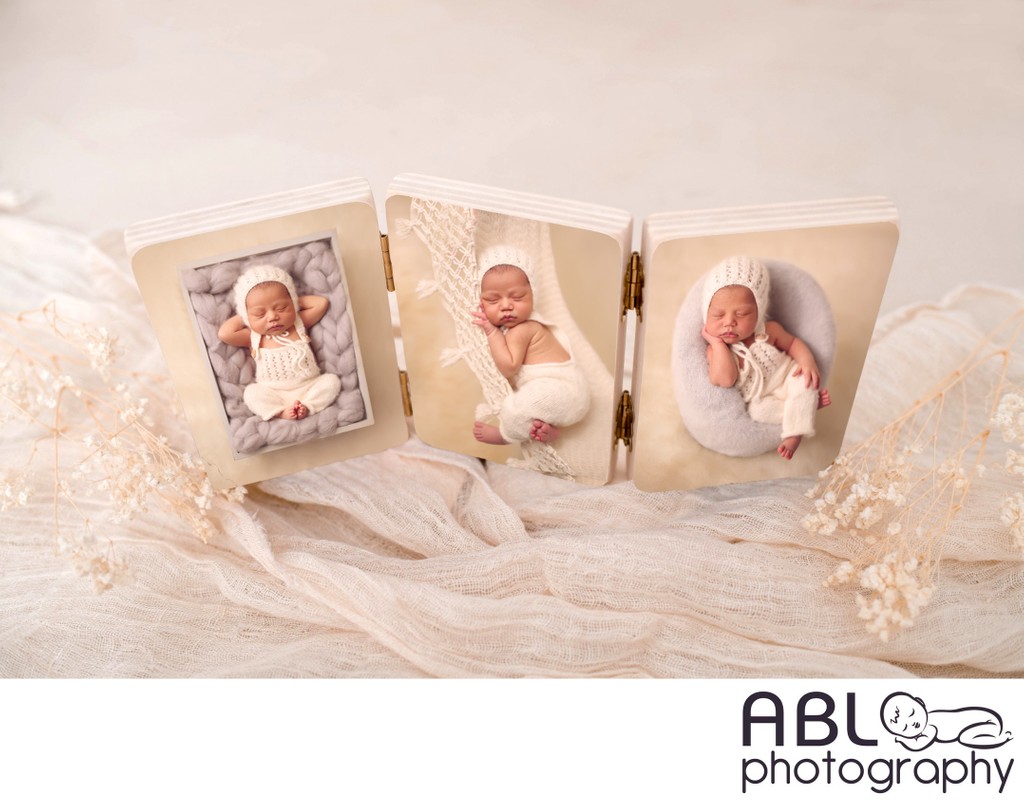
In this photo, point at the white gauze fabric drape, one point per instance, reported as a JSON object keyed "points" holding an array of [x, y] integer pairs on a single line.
{"points": [[420, 562]]}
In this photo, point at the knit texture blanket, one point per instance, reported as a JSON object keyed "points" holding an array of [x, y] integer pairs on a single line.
{"points": [[420, 562]]}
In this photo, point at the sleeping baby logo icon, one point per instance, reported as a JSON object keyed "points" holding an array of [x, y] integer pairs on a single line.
{"points": [[916, 728]]}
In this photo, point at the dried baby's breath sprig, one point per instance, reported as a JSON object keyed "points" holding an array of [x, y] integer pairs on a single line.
{"points": [[14, 491], [1012, 515], [1009, 420], [60, 377], [899, 490], [1009, 417]]}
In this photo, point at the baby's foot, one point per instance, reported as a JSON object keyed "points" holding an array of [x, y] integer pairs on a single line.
{"points": [[487, 433], [544, 432], [788, 446], [294, 412], [824, 400]]}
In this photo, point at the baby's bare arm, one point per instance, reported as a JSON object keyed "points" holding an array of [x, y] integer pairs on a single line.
{"points": [[508, 349], [722, 368], [234, 332], [312, 309], [796, 349]]}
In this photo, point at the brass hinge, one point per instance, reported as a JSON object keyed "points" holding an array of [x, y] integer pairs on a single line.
{"points": [[389, 277], [403, 380], [624, 421], [633, 287]]}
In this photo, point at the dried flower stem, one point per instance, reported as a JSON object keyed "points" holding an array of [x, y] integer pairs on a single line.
{"points": [[98, 427], [899, 504]]}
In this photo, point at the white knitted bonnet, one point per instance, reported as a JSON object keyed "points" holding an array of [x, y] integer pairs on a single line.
{"points": [[503, 254], [744, 271], [257, 275]]}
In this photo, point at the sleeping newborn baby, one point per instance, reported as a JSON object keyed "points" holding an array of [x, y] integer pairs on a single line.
{"points": [[549, 391], [775, 372], [272, 321]]}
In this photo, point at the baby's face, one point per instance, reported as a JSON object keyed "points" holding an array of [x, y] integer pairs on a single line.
{"points": [[506, 296], [904, 716], [732, 314], [270, 309]]}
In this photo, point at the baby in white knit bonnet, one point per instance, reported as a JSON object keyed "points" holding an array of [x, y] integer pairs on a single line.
{"points": [[775, 372], [549, 390], [272, 321]]}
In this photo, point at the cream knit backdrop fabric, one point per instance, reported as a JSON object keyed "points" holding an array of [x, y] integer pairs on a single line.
{"points": [[419, 562]]}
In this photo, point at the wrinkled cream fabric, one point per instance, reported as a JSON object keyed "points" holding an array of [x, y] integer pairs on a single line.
{"points": [[419, 562]]}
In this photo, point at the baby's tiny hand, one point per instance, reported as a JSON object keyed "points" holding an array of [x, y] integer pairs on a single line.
{"points": [[810, 373], [481, 321], [711, 339]]}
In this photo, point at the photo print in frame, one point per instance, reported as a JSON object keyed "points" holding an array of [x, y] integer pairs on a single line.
{"points": [[293, 381], [450, 259], [326, 239], [824, 286]]}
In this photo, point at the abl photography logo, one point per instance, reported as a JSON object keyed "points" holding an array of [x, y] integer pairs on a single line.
{"points": [[910, 744]]}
